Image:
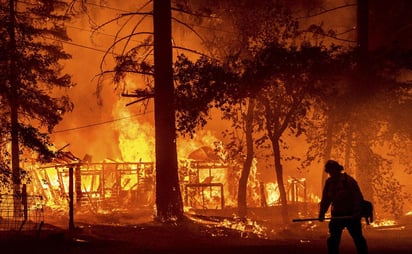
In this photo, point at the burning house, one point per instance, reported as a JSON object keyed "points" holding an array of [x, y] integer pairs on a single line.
{"points": [[207, 183], [99, 186], [108, 185], [204, 180]]}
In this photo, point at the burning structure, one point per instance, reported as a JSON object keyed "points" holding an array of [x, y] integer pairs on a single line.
{"points": [[105, 185], [206, 183], [108, 185], [204, 180]]}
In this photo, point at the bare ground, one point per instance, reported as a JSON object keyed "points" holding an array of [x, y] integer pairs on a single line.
{"points": [[196, 236]]}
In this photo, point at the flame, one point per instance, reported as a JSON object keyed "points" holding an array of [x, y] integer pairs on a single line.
{"points": [[272, 193], [248, 228], [135, 139], [254, 185], [187, 145], [383, 223]]}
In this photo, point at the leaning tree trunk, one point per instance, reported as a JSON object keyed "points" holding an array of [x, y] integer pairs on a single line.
{"points": [[279, 178], [168, 196], [242, 191]]}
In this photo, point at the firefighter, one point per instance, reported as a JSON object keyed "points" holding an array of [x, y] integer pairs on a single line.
{"points": [[343, 194]]}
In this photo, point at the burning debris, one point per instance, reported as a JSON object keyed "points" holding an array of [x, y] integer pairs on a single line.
{"points": [[99, 187]]}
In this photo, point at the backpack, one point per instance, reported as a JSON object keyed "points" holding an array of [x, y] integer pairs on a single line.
{"points": [[367, 211]]}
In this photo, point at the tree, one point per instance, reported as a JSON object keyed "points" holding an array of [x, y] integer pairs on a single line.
{"points": [[32, 53], [255, 26], [274, 73], [244, 176], [273, 25], [168, 197]]}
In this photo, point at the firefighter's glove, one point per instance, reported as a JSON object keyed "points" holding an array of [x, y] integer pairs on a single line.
{"points": [[321, 217]]}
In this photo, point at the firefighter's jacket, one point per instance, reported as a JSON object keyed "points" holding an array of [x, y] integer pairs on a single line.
{"points": [[343, 194]]}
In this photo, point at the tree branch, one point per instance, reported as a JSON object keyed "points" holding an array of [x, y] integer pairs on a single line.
{"points": [[328, 10]]}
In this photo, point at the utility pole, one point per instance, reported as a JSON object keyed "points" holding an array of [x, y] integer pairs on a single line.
{"points": [[168, 196]]}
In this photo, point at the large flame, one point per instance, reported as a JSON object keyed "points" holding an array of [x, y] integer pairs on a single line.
{"points": [[135, 139]]}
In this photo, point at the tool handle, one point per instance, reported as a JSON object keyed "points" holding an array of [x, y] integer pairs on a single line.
{"points": [[308, 219], [314, 219]]}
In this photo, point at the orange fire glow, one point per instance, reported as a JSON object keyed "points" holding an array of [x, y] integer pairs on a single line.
{"points": [[272, 193], [135, 139]]}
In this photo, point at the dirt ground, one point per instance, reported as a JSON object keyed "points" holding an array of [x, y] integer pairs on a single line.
{"points": [[197, 236]]}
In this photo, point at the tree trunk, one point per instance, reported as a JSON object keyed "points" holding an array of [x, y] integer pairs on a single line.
{"points": [[366, 164], [348, 149], [279, 178], [168, 195], [242, 192], [363, 31], [14, 83], [363, 169], [328, 146]]}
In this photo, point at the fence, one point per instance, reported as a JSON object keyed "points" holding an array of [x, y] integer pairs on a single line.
{"points": [[24, 212]]}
